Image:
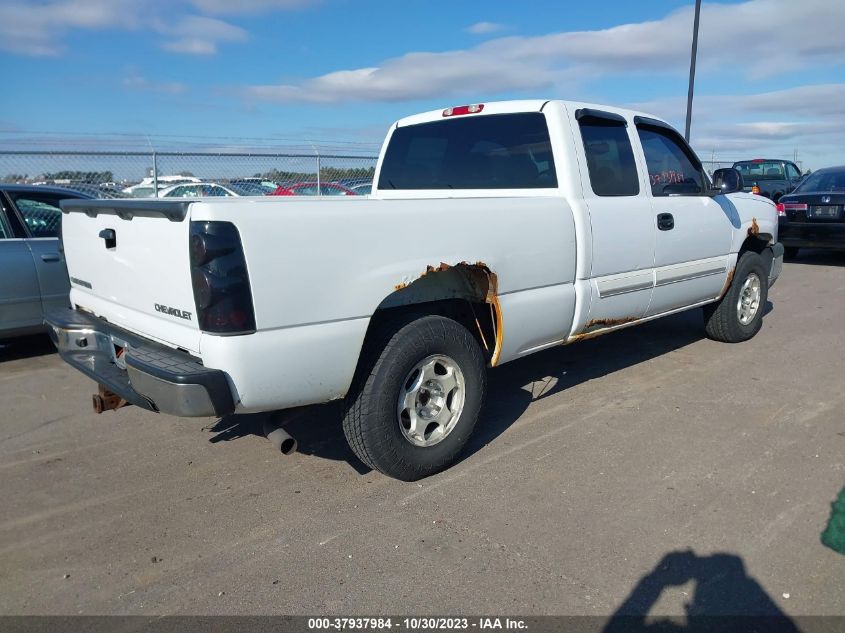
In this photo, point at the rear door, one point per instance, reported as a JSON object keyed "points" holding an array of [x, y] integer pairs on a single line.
{"points": [[694, 230], [620, 217], [129, 263], [20, 299]]}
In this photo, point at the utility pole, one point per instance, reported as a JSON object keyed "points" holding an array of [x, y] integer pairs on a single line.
{"points": [[692, 67]]}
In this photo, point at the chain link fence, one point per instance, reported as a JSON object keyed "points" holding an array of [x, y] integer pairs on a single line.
{"points": [[134, 174], [118, 174]]}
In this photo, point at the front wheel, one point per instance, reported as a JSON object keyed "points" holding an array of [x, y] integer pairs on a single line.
{"points": [[416, 397], [738, 316]]}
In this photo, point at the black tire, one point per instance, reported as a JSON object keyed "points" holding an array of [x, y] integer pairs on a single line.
{"points": [[371, 417], [791, 252], [721, 319]]}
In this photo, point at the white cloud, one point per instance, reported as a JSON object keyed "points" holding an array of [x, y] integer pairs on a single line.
{"points": [[737, 39], [483, 28], [134, 81], [229, 7], [198, 35], [775, 123], [38, 29]]}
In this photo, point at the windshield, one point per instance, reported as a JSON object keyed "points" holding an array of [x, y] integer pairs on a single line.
{"points": [[760, 171], [828, 180]]}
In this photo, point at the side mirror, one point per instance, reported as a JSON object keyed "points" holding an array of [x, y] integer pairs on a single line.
{"points": [[727, 180]]}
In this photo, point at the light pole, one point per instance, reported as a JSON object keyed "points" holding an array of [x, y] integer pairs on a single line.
{"points": [[692, 67]]}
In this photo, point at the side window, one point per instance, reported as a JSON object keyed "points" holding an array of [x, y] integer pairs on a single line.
{"points": [[792, 172], [672, 171], [42, 214], [610, 158]]}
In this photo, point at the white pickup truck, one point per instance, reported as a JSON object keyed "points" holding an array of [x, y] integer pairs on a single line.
{"points": [[494, 230]]}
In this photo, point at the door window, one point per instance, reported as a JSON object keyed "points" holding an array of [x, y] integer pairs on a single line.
{"points": [[41, 213], [792, 172], [610, 158], [672, 169]]}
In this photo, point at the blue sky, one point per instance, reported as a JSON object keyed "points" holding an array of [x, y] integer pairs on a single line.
{"points": [[771, 76]]}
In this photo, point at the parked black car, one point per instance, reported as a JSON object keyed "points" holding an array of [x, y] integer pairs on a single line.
{"points": [[813, 215], [771, 177]]}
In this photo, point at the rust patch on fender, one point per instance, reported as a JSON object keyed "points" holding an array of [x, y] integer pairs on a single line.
{"points": [[480, 276], [754, 229]]}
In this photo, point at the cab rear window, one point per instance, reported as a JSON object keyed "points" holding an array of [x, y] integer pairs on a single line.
{"points": [[499, 151]]}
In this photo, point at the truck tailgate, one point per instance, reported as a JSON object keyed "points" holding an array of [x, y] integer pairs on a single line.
{"points": [[129, 263]]}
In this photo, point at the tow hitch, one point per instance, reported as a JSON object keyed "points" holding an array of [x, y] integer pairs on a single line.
{"points": [[107, 400]]}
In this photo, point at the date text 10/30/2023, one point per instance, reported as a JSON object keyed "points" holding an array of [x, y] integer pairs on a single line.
{"points": [[416, 624]]}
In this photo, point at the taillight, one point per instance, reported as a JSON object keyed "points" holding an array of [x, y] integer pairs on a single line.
{"points": [[794, 206], [464, 109], [219, 279], [781, 209], [755, 189]]}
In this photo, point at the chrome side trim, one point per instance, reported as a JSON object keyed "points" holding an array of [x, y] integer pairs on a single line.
{"points": [[622, 284], [684, 272]]}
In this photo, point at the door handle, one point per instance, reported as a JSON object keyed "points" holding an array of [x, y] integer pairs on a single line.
{"points": [[109, 236], [50, 257], [665, 221]]}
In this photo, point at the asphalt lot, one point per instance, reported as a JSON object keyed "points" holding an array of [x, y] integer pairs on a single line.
{"points": [[593, 463]]}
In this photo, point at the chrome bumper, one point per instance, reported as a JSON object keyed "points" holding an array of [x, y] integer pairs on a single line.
{"points": [[145, 373]]}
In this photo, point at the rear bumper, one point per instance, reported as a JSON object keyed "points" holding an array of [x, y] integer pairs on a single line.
{"points": [[156, 377], [812, 234]]}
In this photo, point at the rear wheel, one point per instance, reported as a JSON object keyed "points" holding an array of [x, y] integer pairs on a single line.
{"points": [[791, 252], [738, 316], [416, 397]]}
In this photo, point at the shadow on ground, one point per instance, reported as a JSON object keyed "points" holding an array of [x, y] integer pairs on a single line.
{"points": [[511, 388], [26, 347], [723, 598]]}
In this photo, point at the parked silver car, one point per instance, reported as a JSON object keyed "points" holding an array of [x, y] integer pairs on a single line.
{"points": [[33, 276]]}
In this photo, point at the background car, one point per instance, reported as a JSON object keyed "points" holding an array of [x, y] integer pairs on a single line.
{"points": [[352, 182], [197, 190], [814, 214], [770, 177], [267, 185], [362, 189], [313, 189], [147, 187], [33, 276], [249, 188]]}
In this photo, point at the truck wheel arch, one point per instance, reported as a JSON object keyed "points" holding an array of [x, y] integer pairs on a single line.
{"points": [[464, 292], [759, 243]]}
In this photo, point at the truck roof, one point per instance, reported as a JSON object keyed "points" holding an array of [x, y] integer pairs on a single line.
{"points": [[523, 105], [752, 161]]}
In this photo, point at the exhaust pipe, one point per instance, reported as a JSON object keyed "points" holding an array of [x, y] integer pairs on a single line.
{"points": [[279, 438]]}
